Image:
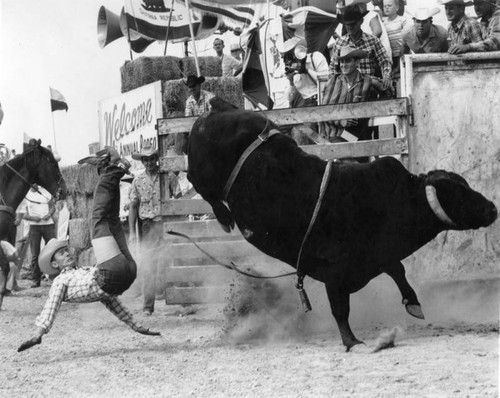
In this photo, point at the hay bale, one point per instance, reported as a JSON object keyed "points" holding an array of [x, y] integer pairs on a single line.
{"points": [[145, 70], [175, 93], [79, 233], [80, 179], [209, 66]]}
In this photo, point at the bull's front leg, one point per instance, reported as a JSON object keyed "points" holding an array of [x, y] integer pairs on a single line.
{"points": [[4, 273], [396, 271], [223, 215], [339, 304]]}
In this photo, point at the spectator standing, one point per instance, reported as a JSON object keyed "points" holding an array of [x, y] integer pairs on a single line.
{"points": [[115, 270], [463, 30], [230, 65], [395, 25], [489, 14], [350, 86], [302, 71], [197, 103], [38, 208], [145, 204], [376, 62], [425, 37], [372, 23]]}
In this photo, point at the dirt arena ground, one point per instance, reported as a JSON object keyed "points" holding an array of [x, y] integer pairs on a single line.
{"points": [[89, 353]]}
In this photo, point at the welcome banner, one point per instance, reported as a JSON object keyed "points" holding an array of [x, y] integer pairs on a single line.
{"points": [[127, 122]]}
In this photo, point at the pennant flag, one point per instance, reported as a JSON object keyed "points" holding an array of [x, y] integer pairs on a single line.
{"points": [[255, 79], [26, 142], [57, 101], [311, 23], [238, 14]]}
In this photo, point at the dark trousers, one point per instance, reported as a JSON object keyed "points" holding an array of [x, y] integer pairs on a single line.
{"points": [[151, 246], [118, 273], [37, 232]]}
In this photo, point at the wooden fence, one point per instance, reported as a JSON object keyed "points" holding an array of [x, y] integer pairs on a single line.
{"points": [[192, 276]]}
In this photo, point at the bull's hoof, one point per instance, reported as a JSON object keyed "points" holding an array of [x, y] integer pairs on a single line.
{"points": [[415, 310], [359, 348], [226, 228]]}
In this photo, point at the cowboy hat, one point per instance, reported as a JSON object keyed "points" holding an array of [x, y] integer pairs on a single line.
{"points": [[350, 14], [456, 2], [46, 254], [351, 52], [146, 151], [193, 80], [422, 14], [352, 2], [290, 44]]}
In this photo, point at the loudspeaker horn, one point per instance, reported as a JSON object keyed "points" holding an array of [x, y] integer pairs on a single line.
{"points": [[108, 27]]}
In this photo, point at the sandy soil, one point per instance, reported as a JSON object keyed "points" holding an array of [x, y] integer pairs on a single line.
{"points": [[89, 353]]}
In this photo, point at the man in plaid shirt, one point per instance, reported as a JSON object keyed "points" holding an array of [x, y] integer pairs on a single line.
{"points": [[376, 63], [463, 30], [115, 270]]}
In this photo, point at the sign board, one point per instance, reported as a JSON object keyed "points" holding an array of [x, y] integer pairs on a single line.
{"points": [[127, 122]]}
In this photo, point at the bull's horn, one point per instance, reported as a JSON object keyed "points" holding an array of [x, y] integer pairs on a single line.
{"points": [[436, 207]]}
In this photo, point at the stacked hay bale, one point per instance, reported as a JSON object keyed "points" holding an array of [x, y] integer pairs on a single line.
{"points": [[171, 71], [80, 181]]}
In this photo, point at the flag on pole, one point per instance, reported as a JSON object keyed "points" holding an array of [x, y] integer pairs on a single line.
{"points": [[57, 101]]}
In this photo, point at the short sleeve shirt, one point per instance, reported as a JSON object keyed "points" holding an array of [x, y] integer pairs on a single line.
{"points": [[197, 108], [145, 194]]}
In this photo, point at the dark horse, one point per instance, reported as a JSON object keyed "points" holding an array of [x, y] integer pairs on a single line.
{"points": [[36, 165]]}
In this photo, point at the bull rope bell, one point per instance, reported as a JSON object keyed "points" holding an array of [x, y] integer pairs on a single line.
{"points": [[304, 299]]}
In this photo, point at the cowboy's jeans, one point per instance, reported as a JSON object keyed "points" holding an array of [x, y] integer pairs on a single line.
{"points": [[117, 273], [37, 232]]}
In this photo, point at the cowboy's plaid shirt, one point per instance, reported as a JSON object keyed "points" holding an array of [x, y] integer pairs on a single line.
{"points": [[466, 31], [80, 286], [377, 56]]}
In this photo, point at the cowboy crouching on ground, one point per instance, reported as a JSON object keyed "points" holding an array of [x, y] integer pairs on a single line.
{"points": [[115, 270]]}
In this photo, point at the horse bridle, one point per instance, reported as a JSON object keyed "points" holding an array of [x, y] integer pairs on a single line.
{"points": [[32, 186]]}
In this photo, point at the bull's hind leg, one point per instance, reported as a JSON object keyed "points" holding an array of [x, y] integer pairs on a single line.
{"points": [[339, 304], [396, 271]]}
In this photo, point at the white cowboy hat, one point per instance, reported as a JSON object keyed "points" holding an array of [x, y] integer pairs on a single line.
{"points": [[290, 44], [456, 2], [46, 254], [146, 151], [421, 14], [352, 2], [351, 52]]}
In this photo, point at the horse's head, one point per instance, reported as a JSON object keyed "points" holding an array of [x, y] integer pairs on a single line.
{"points": [[44, 170]]}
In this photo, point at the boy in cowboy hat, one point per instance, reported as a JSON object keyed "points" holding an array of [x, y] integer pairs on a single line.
{"points": [[198, 102], [145, 207], [376, 62], [425, 37], [115, 270], [463, 30], [350, 86]]}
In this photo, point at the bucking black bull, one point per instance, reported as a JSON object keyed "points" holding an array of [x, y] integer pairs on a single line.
{"points": [[371, 217]]}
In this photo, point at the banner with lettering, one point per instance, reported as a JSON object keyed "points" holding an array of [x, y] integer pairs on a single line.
{"points": [[127, 122]]}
